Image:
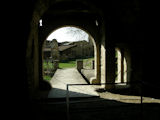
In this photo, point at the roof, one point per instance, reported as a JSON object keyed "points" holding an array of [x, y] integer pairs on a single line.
{"points": [[61, 48], [65, 47]]}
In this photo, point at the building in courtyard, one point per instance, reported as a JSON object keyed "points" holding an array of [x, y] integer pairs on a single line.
{"points": [[68, 50]]}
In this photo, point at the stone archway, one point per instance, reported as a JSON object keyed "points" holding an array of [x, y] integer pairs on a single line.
{"points": [[123, 60], [93, 80], [93, 23], [121, 65]]}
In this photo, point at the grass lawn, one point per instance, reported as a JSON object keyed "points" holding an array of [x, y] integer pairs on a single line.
{"points": [[69, 64]]}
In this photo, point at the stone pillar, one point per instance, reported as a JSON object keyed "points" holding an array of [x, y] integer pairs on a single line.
{"points": [[96, 79], [110, 67], [54, 50], [103, 64], [79, 65], [55, 64]]}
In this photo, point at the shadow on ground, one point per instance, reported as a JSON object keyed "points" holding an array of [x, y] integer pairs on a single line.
{"points": [[56, 93], [145, 91], [87, 108]]}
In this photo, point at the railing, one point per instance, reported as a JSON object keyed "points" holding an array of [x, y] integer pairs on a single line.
{"points": [[68, 101]]}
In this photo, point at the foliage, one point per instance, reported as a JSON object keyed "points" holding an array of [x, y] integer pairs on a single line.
{"points": [[47, 77], [48, 65], [67, 64]]}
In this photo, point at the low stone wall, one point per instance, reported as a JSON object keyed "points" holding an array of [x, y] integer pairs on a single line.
{"points": [[89, 74]]}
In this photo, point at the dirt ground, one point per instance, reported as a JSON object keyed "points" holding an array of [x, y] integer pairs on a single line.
{"points": [[127, 98]]}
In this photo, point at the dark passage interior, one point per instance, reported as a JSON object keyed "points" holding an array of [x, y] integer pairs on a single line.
{"points": [[113, 25]]}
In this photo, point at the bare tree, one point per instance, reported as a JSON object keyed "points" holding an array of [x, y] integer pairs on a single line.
{"points": [[77, 33]]}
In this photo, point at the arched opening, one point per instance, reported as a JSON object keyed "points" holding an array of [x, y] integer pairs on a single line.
{"points": [[72, 43], [50, 18], [122, 26], [121, 67], [69, 48]]}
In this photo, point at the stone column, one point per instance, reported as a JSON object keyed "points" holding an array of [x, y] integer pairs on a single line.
{"points": [[103, 64], [96, 79], [54, 50], [110, 67], [55, 65], [55, 54]]}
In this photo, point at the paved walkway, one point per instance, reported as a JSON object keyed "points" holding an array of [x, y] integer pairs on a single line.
{"points": [[62, 77]]}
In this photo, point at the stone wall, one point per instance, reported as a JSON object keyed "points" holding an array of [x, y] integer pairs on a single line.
{"points": [[82, 49], [122, 26]]}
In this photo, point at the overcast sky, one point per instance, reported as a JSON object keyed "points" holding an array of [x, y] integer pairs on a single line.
{"points": [[68, 34]]}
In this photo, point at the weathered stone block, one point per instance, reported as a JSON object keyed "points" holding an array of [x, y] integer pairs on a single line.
{"points": [[56, 64], [93, 80], [79, 65]]}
